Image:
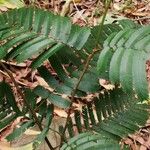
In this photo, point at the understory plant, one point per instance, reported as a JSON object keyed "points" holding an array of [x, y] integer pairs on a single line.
{"points": [[79, 56]]}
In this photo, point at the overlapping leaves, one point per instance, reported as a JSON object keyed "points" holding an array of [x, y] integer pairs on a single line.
{"points": [[33, 31], [10, 111], [116, 115], [123, 60], [29, 32]]}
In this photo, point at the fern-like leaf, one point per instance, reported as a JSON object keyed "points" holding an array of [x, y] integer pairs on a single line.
{"points": [[123, 60], [31, 32], [34, 31], [88, 141], [116, 115], [9, 110]]}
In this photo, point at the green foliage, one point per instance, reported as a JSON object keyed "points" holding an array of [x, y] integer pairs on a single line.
{"points": [[107, 118], [88, 141], [123, 60], [45, 33], [117, 115], [8, 107], [9, 111]]}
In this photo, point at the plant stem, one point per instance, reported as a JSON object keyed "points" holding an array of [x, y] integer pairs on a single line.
{"points": [[75, 89], [26, 103], [103, 20], [85, 69]]}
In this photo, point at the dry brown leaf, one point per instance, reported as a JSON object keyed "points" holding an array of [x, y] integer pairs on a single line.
{"points": [[79, 15], [42, 82], [5, 145], [128, 141], [141, 14], [31, 132], [3, 8], [106, 84], [138, 139], [14, 63], [77, 1], [60, 112], [142, 147], [5, 132]]}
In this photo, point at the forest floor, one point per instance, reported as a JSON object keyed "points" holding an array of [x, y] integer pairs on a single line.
{"points": [[86, 12]]}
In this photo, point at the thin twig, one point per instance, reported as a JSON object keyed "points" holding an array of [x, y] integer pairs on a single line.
{"points": [[84, 70], [26, 103], [103, 19], [75, 89], [65, 8], [78, 11], [53, 130], [142, 18]]}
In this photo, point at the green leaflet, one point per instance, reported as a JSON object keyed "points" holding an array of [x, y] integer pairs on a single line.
{"points": [[139, 75], [18, 131], [123, 58], [137, 35], [7, 121], [2, 52], [114, 70], [24, 45], [8, 93], [55, 99], [34, 49], [46, 55], [78, 37], [59, 101], [36, 32], [42, 135], [126, 70], [89, 141], [103, 62]]}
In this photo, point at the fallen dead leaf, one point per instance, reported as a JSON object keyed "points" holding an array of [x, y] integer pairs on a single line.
{"points": [[106, 84], [142, 147], [60, 112], [3, 8], [42, 82]]}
